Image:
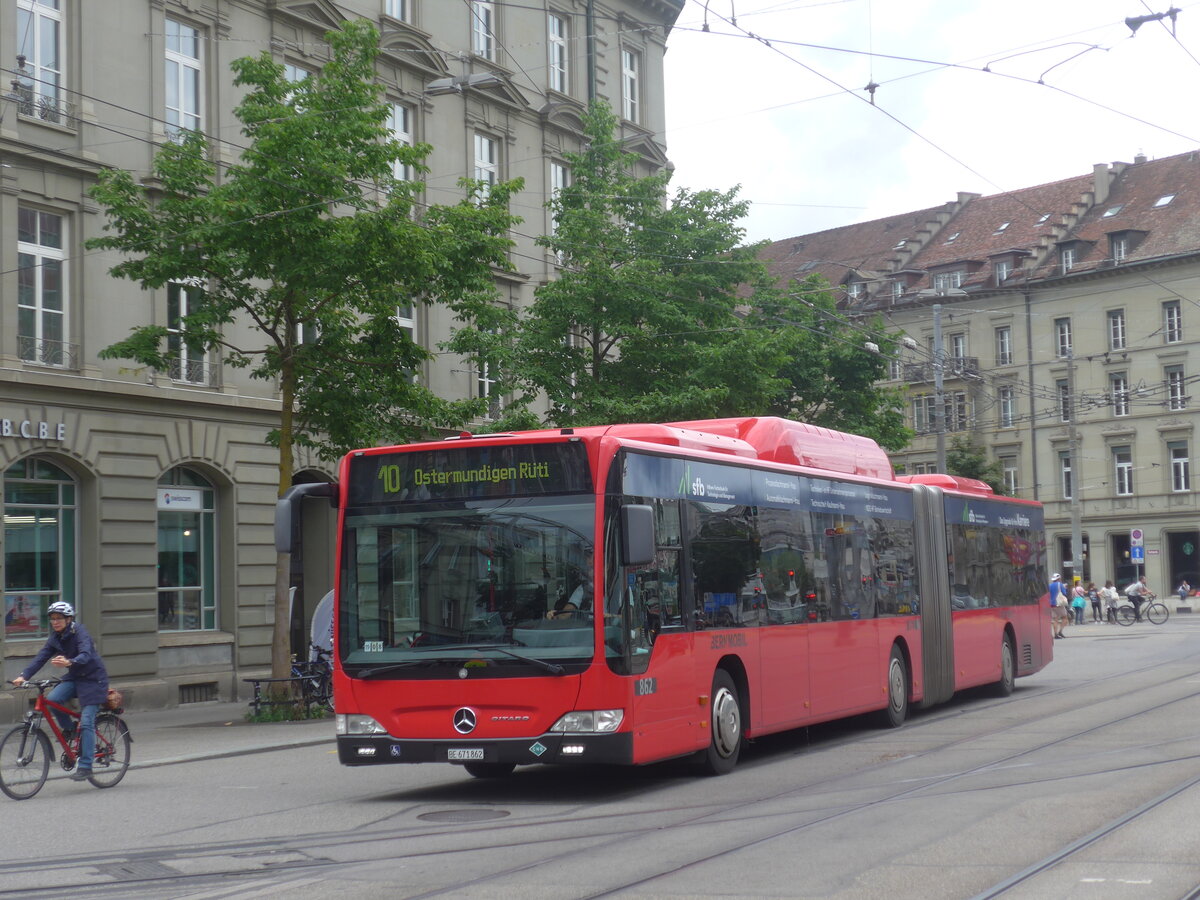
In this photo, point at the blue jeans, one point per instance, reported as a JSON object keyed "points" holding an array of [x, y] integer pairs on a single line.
{"points": [[1078, 615], [87, 721]]}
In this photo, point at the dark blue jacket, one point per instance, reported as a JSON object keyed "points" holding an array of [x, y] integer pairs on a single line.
{"points": [[87, 668]]}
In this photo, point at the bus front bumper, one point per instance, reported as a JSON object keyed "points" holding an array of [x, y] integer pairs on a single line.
{"points": [[592, 749]]}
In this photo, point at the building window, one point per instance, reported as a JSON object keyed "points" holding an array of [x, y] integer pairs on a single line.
{"points": [[945, 281], [187, 584], [183, 79], [557, 44], [1008, 465], [1118, 388], [1120, 249], [487, 163], [1067, 480], [1116, 329], [1123, 471], [1172, 322], [39, 545], [1164, 200], [897, 289], [1176, 387], [631, 97], [42, 288], [398, 9], [560, 178], [488, 388], [895, 369], [38, 83], [1004, 352], [958, 348], [1181, 477], [483, 28], [1002, 270], [408, 324], [399, 123], [1066, 259], [923, 414], [856, 289], [957, 411], [1007, 400], [189, 363], [1062, 338], [1064, 400]]}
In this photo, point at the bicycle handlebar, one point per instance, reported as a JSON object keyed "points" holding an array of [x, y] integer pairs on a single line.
{"points": [[40, 685]]}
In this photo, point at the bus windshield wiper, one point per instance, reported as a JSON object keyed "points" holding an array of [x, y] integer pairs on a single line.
{"points": [[391, 667], [552, 668]]}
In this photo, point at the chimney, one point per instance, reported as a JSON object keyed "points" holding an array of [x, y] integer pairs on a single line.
{"points": [[1140, 158], [1100, 182]]}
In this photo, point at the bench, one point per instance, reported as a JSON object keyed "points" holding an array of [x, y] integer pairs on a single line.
{"points": [[258, 701]]}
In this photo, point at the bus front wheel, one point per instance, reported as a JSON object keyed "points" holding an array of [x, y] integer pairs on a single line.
{"points": [[725, 725], [1008, 668]]}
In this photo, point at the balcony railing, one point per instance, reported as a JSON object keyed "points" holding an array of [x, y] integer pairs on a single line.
{"points": [[954, 367], [45, 107], [199, 372], [59, 354]]}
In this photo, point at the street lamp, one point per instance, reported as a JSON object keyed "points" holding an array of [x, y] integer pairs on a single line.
{"points": [[939, 369]]}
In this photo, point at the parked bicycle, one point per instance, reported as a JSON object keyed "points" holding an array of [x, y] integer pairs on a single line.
{"points": [[315, 677], [1157, 613], [25, 752]]}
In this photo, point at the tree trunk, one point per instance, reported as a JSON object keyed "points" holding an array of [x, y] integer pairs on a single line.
{"points": [[281, 650]]}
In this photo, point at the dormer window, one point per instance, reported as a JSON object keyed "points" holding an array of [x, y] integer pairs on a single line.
{"points": [[856, 289], [1113, 210], [1002, 269], [1120, 249], [1066, 259], [1164, 200], [944, 281]]}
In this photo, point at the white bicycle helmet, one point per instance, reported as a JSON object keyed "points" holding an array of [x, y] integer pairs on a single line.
{"points": [[62, 607]]}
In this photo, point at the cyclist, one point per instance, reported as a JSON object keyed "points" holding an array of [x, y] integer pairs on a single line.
{"points": [[70, 647], [1138, 593]]}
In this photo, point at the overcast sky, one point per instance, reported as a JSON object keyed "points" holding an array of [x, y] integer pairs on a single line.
{"points": [[794, 127]]}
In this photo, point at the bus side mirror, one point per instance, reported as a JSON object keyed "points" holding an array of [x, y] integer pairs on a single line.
{"points": [[287, 508], [637, 535]]}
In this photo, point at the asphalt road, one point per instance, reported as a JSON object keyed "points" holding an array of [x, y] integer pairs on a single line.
{"points": [[1085, 783]]}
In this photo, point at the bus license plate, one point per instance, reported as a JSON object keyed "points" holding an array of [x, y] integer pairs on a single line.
{"points": [[465, 753]]}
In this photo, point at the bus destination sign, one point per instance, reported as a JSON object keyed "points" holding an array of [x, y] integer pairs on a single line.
{"points": [[469, 472]]}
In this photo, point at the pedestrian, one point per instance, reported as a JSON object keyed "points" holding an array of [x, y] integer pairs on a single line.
{"points": [[1058, 606], [1138, 593], [70, 647], [1078, 602], [1184, 591], [1111, 598], [1093, 594]]}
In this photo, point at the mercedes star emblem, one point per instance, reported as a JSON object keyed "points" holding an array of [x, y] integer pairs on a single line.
{"points": [[464, 720]]}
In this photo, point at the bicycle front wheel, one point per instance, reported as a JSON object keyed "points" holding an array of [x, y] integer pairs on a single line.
{"points": [[24, 761], [1157, 613], [1126, 615], [112, 750]]}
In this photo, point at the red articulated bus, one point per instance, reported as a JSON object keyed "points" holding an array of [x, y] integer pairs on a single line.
{"points": [[634, 593]]}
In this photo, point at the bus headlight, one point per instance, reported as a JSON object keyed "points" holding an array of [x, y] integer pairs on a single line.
{"points": [[596, 721], [357, 724]]}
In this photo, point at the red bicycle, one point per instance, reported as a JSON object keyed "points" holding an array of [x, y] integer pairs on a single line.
{"points": [[25, 752]]}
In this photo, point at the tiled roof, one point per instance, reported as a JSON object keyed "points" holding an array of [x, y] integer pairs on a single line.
{"points": [[867, 247], [1025, 228]]}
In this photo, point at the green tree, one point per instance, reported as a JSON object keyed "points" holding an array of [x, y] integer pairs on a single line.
{"points": [[967, 459], [304, 252], [660, 313]]}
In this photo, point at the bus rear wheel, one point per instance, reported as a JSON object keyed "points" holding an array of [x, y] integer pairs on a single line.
{"points": [[725, 725], [489, 770], [896, 711], [1008, 668]]}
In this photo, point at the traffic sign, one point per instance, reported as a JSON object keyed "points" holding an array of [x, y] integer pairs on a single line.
{"points": [[1135, 537], [1137, 554]]}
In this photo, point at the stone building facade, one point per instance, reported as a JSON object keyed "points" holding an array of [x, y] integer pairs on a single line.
{"points": [[144, 497]]}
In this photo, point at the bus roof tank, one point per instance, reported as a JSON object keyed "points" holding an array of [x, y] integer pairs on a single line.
{"points": [[801, 444]]}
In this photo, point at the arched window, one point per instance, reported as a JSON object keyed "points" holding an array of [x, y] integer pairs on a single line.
{"points": [[187, 591], [39, 545]]}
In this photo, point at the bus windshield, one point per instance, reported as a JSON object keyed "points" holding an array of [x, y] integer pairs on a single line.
{"points": [[498, 584]]}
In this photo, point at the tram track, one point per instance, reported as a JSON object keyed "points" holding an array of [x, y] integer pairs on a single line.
{"points": [[310, 854]]}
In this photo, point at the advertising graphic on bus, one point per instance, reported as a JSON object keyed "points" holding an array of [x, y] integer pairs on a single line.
{"points": [[634, 593]]}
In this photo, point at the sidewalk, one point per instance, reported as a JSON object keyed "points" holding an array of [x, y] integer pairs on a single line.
{"points": [[212, 731]]}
